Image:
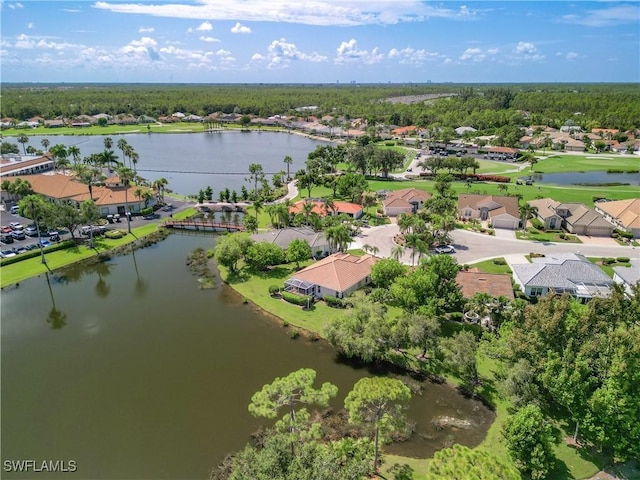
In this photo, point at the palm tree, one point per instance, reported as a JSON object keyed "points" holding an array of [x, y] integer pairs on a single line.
{"points": [[126, 174], [288, 160], [32, 206], [329, 206], [89, 212], [307, 210], [108, 143], [527, 212], [85, 174], [338, 237], [74, 151], [372, 249], [134, 157], [397, 252], [123, 146], [257, 207], [59, 152], [23, 139], [45, 144]]}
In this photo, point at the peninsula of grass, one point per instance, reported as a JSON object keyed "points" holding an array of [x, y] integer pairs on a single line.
{"points": [[32, 267]]}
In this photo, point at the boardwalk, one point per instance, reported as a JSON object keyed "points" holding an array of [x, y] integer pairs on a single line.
{"points": [[204, 225]]}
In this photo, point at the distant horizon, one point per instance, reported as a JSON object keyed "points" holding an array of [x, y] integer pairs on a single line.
{"points": [[326, 84], [328, 42]]}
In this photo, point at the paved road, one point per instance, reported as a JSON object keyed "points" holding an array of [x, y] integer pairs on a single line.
{"points": [[472, 247]]}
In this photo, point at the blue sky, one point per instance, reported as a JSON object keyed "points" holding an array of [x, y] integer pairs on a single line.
{"points": [[319, 41]]}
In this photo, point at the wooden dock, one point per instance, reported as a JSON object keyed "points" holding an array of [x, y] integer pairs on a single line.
{"points": [[204, 225]]}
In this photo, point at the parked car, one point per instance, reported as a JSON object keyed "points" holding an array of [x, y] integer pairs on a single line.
{"points": [[31, 231], [54, 236], [445, 249], [19, 250], [7, 254], [45, 243], [16, 226], [5, 229], [18, 235], [6, 238]]}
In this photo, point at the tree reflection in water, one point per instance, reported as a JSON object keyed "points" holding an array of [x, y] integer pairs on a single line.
{"points": [[56, 318], [141, 284], [102, 268]]}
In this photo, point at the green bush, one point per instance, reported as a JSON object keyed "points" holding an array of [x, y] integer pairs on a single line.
{"points": [[301, 300], [115, 233], [273, 289], [499, 261], [146, 211], [334, 302], [622, 259], [624, 234]]}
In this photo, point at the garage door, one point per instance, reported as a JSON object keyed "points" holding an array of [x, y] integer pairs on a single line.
{"points": [[504, 223]]}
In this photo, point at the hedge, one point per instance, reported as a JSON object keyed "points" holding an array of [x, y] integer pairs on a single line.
{"points": [[334, 302], [622, 259], [302, 300], [273, 289]]}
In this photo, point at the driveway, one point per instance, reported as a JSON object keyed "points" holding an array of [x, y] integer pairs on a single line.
{"points": [[472, 247]]}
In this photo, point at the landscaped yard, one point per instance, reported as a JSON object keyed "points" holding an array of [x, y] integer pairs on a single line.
{"points": [[490, 266], [608, 267], [537, 236]]}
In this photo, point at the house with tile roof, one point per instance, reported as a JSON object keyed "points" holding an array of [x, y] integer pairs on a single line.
{"points": [[493, 284], [628, 276], [500, 210], [319, 208], [623, 214], [337, 276], [111, 198], [546, 213], [579, 219], [407, 200], [562, 273], [284, 236]]}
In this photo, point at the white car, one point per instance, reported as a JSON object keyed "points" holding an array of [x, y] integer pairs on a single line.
{"points": [[445, 249]]}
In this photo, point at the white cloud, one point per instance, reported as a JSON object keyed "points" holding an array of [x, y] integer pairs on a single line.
{"points": [[572, 55], [145, 48], [256, 57], [146, 30], [527, 51], [238, 28], [473, 54], [204, 27], [349, 52], [223, 52], [605, 17], [14, 6], [410, 56], [309, 12], [209, 39], [282, 53], [30, 25]]}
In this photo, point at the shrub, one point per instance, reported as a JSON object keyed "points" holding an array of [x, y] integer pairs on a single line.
{"points": [[114, 234], [624, 234], [294, 333], [274, 289], [146, 211], [563, 236], [301, 300], [491, 231], [334, 302], [456, 316], [389, 144], [36, 252], [622, 259], [499, 261]]}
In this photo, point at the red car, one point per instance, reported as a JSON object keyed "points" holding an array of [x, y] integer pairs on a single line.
{"points": [[5, 229]]}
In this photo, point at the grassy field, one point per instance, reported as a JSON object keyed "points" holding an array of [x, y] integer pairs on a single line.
{"points": [[585, 163], [488, 266]]}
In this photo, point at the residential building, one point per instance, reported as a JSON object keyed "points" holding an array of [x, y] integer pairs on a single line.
{"points": [[14, 164], [407, 200], [284, 236], [500, 211], [562, 273], [503, 153], [337, 275], [320, 208], [623, 214], [576, 218]]}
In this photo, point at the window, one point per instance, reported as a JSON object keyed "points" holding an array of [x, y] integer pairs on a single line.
{"points": [[537, 291]]}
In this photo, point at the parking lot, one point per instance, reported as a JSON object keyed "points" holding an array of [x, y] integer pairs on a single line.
{"points": [[23, 236]]}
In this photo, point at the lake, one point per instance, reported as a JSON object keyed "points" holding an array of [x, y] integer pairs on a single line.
{"points": [[585, 178], [132, 371], [194, 161]]}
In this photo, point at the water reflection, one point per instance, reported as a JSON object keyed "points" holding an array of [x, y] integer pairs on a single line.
{"points": [[102, 268], [56, 318], [141, 284]]}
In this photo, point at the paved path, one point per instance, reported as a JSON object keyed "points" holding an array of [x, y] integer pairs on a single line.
{"points": [[472, 247], [292, 192]]}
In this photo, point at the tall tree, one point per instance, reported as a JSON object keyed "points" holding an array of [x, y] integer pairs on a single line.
{"points": [[288, 161], [256, 174], [34, 207], [126, 174], [23, 139], [289, 392], [45, 144], [379, 403]]}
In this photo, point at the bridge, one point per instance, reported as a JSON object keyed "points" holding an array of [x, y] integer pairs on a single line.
{"points": [[204, 225]]}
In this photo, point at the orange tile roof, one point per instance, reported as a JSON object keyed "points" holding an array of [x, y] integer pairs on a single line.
{"points": [[627, 212], [496, 204], [338, 272], [318, 207]]}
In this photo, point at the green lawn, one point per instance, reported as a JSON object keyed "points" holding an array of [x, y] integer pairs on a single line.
{"points": [[489, 267], [608, 269], [585, 163], [546, 237]]}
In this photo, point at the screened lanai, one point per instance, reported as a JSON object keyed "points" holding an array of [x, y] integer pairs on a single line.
{"points": [[300, 287]]}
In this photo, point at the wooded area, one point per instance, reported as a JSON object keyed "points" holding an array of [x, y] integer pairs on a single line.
{"points": [[485, 107]]}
